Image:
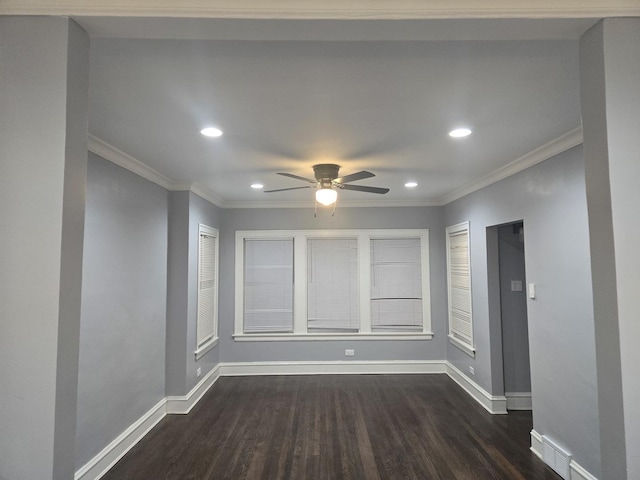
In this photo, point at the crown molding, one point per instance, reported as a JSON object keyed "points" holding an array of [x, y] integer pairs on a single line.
{"points": [[540, 154], [208, 195], [111, 153], [199, 190], [326, 9], [388, 203], [180, 187], [561, 144], [340, 204], [124, 160]]}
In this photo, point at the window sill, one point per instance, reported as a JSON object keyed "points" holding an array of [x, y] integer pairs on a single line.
{"points": [[469, 350], [312, 337], [199, 353]]}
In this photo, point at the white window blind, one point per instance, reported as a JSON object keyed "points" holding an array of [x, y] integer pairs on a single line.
{"points": [[205, 328], [268, 285], [396, 284], [303, 285], [459, 276], [332, 284]]}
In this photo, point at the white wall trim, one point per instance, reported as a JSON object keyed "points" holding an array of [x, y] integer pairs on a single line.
{"points": [[117, 156], [548, 150], [205, 193], [327, 9], [109, 456], [341, 204], [111, 153], [468, 349], [212, 342], [536, 443], [181, 405], [518, 400], [540, 154], [496, 405], [231, 369], [577, 472], [493, 404], [314, 337]]}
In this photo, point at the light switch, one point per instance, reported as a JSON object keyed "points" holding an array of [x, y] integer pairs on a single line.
{"points": [[516, 285], [532, 291]]}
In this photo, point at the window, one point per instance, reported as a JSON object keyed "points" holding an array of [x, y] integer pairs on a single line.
{"points": [[459, 287], [332, 285], [207, 313], [318, 285], [396, 284], [268, 285]]}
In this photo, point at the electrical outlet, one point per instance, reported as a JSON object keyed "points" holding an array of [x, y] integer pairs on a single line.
{"points": [[198, 371], [472, 371], [349, 352]]}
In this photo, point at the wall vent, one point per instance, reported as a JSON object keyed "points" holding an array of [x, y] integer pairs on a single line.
{"points": [[556, 457]]}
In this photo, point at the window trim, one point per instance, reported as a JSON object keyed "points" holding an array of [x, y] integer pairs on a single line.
{"points": [[300, 237], [212, 340], [467, 348]]}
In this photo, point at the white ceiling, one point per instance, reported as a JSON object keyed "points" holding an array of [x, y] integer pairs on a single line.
{"points": [[376, 95]]}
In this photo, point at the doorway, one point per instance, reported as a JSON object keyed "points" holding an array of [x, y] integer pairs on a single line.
{"points": [[508, 313]]}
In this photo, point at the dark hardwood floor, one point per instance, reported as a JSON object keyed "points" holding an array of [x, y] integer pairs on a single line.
{"points": [[331, 427]]}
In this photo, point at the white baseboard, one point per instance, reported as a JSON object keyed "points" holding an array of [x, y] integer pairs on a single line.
{"points": [[577, 472], [536, 444], [183, 404], [109, 456], [101, 463], [493, 404], [231, 369], [496, 405], [518, 400]]}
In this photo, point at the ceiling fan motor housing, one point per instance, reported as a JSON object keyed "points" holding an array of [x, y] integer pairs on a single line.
{"points": [[326, 172]]}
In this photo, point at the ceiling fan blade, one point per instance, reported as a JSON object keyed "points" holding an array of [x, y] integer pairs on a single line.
{"points": [[363, 188], [354, 176], [297, 177], [285, 189]]}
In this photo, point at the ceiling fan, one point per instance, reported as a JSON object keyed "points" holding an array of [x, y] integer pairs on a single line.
{"points": [[327, 182]]}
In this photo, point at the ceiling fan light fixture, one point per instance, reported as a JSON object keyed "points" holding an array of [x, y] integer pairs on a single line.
{"points": [[326, 196]]}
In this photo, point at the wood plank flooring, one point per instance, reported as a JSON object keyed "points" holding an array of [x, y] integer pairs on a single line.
{"points": [[336, 427]]}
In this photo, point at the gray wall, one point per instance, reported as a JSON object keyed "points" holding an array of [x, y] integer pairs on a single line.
{"points": [[43, 145], [302, 218], [186, 211], [122, 334], [177, 294], [200, 211], [513, 308], [610, 68], [550, 198]]}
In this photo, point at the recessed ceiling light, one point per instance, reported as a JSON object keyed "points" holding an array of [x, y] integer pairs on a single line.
{"points": [[460, 132], [257, 186], [211, 132], [411, 184]]}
